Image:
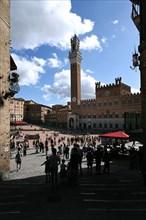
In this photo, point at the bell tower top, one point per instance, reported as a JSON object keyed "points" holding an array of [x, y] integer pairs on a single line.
{"points": [[75, 44], [75, 55]]}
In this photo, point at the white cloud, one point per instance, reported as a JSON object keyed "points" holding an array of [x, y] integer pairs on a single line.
{"points": [[39, 61], [115, 21], [29, 70], [123, 28], [104, 41], [66, 61], [89, 71], [87, 86], [61, 86], [90, 43], [35, 23], [46, 89], [55, 62]]}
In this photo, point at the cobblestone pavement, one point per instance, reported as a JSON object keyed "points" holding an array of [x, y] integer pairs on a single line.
{"points": [[30, 167], [31, 163]]}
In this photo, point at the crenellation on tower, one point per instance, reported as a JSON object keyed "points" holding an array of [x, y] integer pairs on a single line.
{"points": [[98, 84], [118, 80]]}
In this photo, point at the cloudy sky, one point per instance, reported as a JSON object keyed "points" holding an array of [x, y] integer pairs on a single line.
{"points": [[40, 45]]}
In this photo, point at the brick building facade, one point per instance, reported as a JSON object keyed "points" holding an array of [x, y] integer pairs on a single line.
{"points": [[104, 113], [57, 117], [17, 109], [34, 112]]}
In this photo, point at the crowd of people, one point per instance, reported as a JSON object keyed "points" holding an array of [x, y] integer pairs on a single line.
{"points": [[65, 159], [69, 172]]}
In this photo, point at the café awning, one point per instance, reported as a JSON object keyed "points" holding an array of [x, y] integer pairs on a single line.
{"points": [[117, 134]]}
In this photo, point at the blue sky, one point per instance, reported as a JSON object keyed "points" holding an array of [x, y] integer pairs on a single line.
{"points": [[40, 41]]}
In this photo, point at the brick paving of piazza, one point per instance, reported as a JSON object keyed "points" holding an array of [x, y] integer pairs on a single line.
{"points": [[31, 163]]}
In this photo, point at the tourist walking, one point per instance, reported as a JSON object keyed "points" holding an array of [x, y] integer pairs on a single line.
{"points": [[106, 159], [66, 152], [54, 160], [25, 147], [18, 159], [46, 146], [89, 157], [74, 164], [47, 168], [80, 159], [41, 145], [98, 157], [63, 172]]}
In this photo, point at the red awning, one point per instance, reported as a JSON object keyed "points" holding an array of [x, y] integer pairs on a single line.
{"points": [[117, 134], [18, 123]]}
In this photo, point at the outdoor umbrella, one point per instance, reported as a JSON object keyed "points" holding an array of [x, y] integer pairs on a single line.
{"points": [[117, 134]]}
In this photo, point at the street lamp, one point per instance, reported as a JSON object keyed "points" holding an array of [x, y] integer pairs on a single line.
{"points": [[135, 61], [13, 86]]}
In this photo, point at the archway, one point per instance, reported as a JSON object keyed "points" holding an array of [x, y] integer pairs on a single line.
{"points": [[71, 123]]}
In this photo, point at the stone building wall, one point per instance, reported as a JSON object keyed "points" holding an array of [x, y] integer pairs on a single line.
{"points": [[4, 86], [107, 111], [35, 113], [16, 109]]}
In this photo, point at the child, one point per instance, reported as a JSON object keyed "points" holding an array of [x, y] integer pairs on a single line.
{"points": [[47, 168], [63, 171]]}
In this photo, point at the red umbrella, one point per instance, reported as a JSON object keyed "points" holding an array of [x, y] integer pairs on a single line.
{"points": [[117, 134], [18, 123]]}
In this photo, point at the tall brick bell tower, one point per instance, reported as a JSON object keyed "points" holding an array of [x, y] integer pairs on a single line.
{"points": [[75, 57], [4, 86]]}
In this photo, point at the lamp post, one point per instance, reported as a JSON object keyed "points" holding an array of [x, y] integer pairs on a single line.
{"points": [[135, 60]]}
